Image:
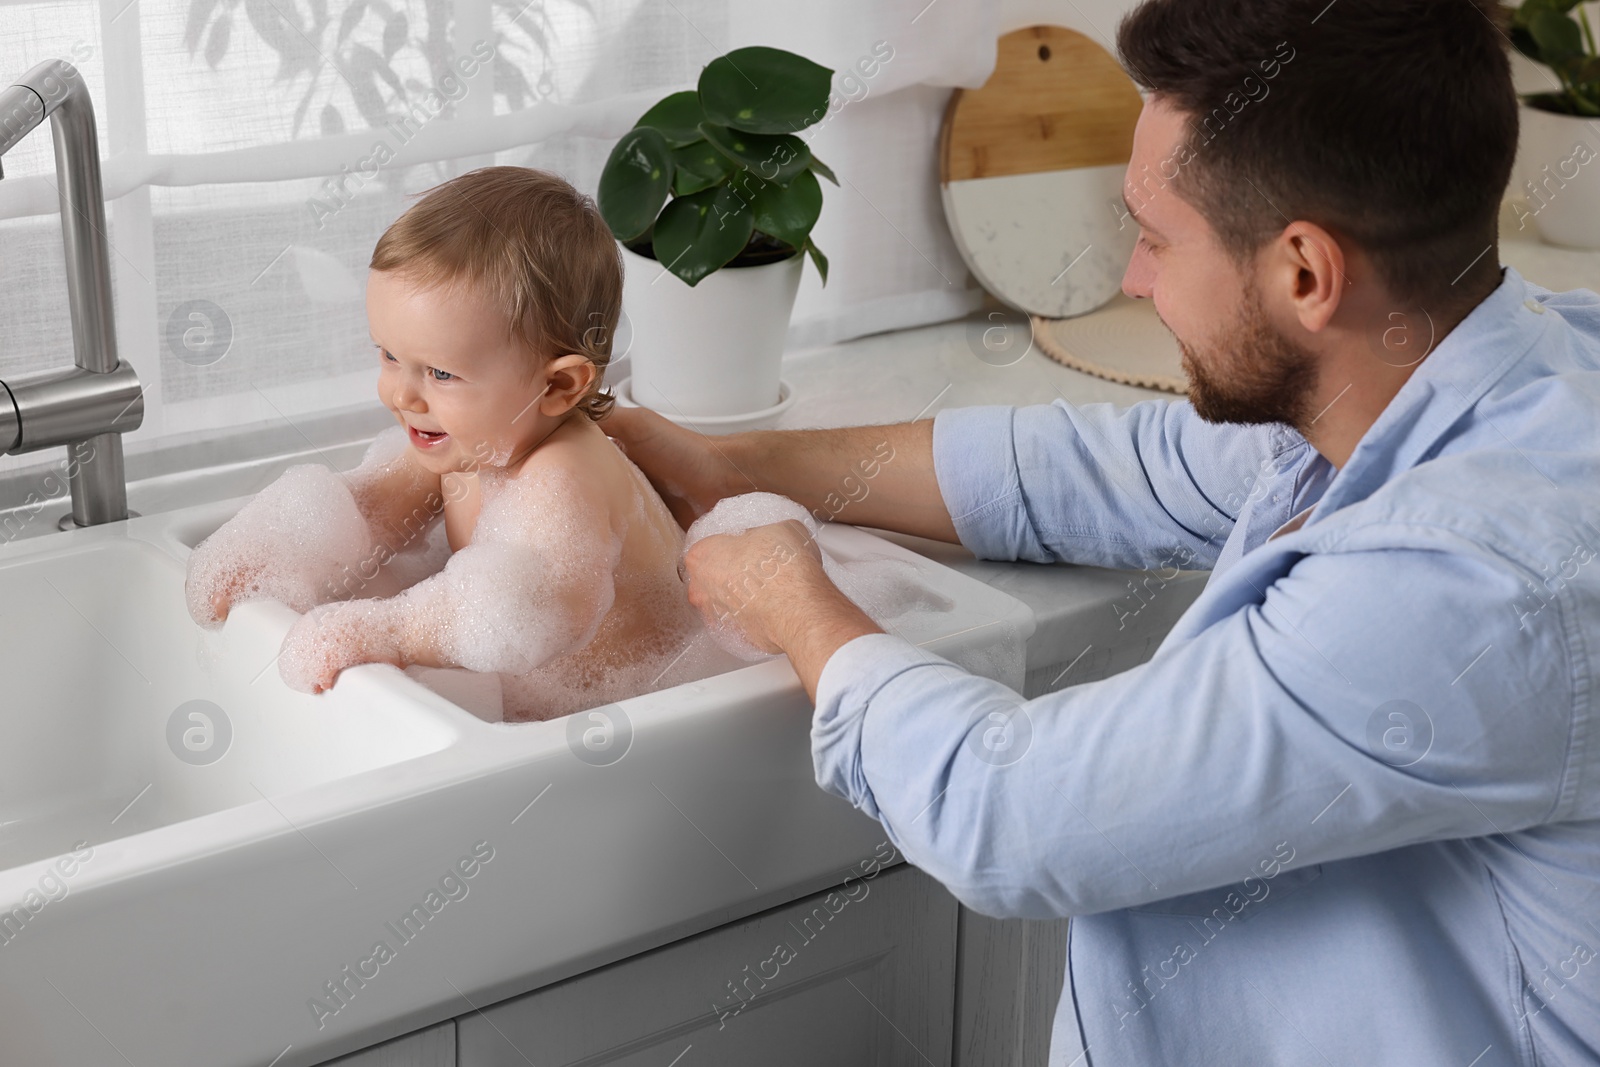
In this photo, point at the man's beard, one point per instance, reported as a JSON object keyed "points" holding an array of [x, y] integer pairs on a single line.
{"points": [[1251, 374]]}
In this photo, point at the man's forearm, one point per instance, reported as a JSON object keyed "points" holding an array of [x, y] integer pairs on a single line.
{"points": [[812, 628], [879, 476]]}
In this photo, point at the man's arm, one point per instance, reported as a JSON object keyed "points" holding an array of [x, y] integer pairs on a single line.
{"points": [[1118, 487], [1137, 486], [1373, 699], [879, 476]]}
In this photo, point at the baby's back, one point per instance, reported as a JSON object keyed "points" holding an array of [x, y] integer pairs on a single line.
{"points": [[586, 501]]}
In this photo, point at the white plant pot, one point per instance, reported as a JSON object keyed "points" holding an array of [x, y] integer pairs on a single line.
{"points": [[1558, 172], [714, 349]]}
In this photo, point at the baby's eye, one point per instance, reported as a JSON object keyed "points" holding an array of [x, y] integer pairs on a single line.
{"points": [[384, 352], [440, 375]]}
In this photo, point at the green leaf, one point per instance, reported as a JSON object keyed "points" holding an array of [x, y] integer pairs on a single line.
{"points": [[701, 232], [771, 158], [1523, 42], [823, 169], [764, 90], [699, 166], [1558, 37], [788, 212], [635, 182], [1524, 12], [677, 117], [819, 259]]}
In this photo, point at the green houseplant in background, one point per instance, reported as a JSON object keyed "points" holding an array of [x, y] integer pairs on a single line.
{"points": [[1560, 140], [1557, 34], [715, 174], [712, 187]]}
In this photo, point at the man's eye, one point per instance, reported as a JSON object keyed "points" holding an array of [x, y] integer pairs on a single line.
{"points": [[440, 375]]}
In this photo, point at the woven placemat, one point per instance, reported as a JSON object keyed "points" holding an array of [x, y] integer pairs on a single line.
{"points": [[1123, 341]]}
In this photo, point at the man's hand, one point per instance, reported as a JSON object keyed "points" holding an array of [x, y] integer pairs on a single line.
{"points": [[770, 584], [685, 467]]}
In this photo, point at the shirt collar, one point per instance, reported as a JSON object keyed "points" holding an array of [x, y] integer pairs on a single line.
{"points": [[1475, 355]]}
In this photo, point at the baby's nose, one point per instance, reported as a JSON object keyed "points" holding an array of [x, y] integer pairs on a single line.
{"points": [[408, 397]]}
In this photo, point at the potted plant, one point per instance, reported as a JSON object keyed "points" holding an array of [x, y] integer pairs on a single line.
{"points": [[1560, 137], [707, 179]]}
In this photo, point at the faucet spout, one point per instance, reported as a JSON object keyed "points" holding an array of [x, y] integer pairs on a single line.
{"points": [[90, 407]]}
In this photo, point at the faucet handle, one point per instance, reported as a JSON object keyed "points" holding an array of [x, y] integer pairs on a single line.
{"points": [[59, 407]]}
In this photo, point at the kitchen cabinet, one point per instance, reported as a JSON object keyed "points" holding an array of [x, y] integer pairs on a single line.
{"points": [[860, 974]]}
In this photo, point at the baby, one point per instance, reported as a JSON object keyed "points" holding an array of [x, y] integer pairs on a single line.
{"points": [[491, 304]]}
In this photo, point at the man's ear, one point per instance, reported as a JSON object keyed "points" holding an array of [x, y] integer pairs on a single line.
{"points": [[570, 377], [1303, 270]]}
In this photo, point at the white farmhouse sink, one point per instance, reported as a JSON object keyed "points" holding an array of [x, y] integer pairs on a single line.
{"points": [[161, 904], [121, 715]]}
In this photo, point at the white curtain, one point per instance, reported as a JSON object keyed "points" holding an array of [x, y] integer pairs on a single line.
{"points": [[246, 184]]}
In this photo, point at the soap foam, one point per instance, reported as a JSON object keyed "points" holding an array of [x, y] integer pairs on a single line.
{"points": [[882, 586], [526, 609], [289, 543], [534, 583], [306, 539]]}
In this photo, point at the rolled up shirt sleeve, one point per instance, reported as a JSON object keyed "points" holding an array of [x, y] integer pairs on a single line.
{"points": [[1338, 714], [1100, 484]]}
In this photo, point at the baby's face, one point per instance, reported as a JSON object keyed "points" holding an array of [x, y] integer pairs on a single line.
{"points": [[452, 375]]}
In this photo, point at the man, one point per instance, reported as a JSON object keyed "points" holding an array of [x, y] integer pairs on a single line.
{"points": [[1350, 811]]}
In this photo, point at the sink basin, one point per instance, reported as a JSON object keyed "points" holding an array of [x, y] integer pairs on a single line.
{"points": [[156, 721], [196, 862]]}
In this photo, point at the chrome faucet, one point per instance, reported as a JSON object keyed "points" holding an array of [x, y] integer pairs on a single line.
{"points": [[89, 406]]}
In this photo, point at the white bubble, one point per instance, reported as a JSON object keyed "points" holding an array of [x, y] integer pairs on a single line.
{"points": [[305, 540], [884, 587], [291, 543], [547, 612]]}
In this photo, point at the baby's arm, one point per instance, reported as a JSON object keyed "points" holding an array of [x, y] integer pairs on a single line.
{"points": [[315, 535], [535, 583]]}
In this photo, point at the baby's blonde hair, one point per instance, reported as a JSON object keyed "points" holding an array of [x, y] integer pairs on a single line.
{"points": [[535, 244]]}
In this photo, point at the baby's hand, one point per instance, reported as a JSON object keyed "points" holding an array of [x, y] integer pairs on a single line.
{"points": [[215, 583], [332, 637], [220, 576]]}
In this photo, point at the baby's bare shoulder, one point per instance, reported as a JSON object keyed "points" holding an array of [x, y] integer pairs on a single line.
{"points": [[555, 493], [586, 466]]}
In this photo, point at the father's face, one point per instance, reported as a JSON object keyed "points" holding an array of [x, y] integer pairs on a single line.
{"points": [[1241, 367]]}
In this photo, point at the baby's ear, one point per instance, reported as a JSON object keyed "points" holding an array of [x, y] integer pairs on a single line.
{"points": [[572, 374]]}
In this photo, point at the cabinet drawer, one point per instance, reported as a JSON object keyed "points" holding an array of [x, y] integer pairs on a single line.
{"points": [[862, 974]]}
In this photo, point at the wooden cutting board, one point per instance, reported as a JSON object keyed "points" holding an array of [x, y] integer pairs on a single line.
{"points": [[1031, 168]]}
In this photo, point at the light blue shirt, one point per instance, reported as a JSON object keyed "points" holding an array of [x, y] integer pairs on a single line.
{"points": [[1349, 813]]}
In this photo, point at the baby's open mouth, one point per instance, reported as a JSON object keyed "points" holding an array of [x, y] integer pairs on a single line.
{"points": [[426, 438]]}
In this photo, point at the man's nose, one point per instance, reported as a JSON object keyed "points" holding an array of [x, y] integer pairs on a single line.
{"points": [[1138, 278]]}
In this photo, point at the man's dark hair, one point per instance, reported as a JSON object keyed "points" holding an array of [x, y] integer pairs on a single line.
{"points": [[1390, 122]]}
